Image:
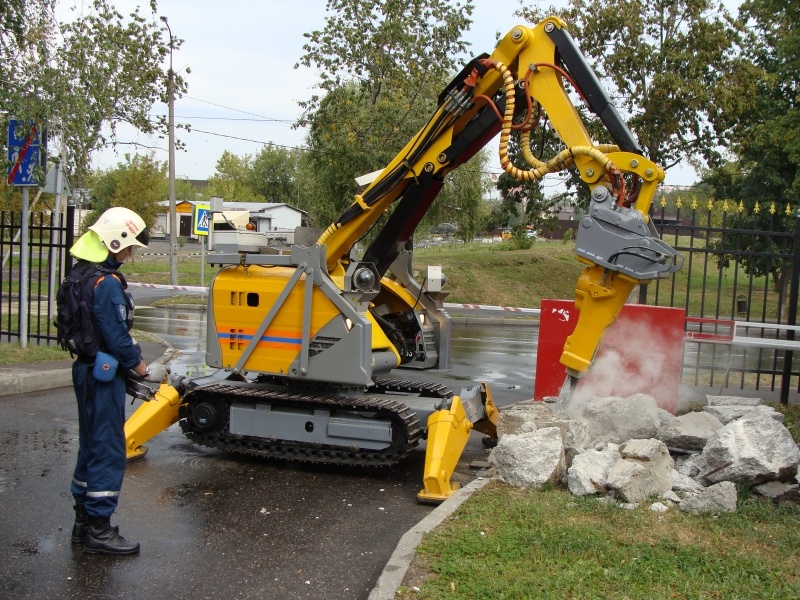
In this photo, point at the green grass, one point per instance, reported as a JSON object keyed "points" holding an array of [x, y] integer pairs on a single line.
{"points": [[11, 353], [510, 543]]}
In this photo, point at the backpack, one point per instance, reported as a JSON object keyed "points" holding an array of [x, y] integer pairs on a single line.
{"points": [[75, 328]]}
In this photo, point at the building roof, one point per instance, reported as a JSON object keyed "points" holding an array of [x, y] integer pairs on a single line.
{"points": [[251, 207]]}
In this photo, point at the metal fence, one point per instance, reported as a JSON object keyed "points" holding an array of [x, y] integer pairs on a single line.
{"points": [[739, 287], [49, 238]]}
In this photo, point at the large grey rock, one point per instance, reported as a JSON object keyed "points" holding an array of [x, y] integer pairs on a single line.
{"points": [[643, 471], [753, 449], [525, 418], [721, 497], [532, 459], [684, 483], [728, 413], [775, 490], [615, 419], [687, 465], [518, 418], [732, 401], [690, 431], [589, 471]]}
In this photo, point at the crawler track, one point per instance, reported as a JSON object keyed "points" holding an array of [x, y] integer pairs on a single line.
{"points": [[378, 403]]}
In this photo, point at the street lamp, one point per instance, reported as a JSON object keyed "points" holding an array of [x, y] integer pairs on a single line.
{"points": [[173, 225]]}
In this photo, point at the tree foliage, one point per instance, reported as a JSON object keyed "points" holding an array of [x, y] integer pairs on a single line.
{"points": [[274, 175], [765, 170], [670, 66], [139, 183], [232, 179], [84, 76], [381, 65]]}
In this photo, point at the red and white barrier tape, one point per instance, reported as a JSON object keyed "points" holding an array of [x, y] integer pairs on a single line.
{"points": [[447, 305]]}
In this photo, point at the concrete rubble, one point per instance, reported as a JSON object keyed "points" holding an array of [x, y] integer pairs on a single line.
{"points": [[531, 459], [628, 451]]}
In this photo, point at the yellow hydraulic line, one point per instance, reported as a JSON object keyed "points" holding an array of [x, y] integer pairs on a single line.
{"points": [[150, 419]]}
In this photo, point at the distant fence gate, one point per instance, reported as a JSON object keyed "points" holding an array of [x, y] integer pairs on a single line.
{"points": [[739, 287], [49, 239]]}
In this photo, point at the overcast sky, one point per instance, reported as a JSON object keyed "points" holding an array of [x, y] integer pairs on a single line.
{"points": [[243, 88]]}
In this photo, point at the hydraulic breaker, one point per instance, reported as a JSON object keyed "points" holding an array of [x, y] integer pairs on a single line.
{"points": [[150, 419]]}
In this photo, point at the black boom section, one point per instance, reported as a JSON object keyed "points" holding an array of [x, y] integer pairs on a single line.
{"points": [[401, 224], [594, 93]]}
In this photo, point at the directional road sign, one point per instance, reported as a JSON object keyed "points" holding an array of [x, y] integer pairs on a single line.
{"points": [[25, 152]]}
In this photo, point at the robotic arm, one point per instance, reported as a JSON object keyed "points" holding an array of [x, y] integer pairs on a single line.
{"points": [[511, 89]]}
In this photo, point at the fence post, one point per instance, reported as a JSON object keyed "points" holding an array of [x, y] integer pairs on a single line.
{"points": [[792, 320], [70, 239]]}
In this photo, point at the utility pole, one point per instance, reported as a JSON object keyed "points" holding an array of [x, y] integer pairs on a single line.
{"points": [[173, 220]]}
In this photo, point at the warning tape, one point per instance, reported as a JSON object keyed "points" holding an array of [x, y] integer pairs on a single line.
{"points": [[447, 305]]}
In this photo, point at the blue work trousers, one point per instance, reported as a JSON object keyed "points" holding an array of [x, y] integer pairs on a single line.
{"points": [[97, 479]]}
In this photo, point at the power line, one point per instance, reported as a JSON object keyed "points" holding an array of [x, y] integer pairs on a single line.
{"points": [[244, 112]]}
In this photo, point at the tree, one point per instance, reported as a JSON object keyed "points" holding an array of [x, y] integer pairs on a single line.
{"points": [[86, 76], [672, 68], [139, 184], [765, 169], [232, 179], [381, 65], [274, 174], [462, 196]]}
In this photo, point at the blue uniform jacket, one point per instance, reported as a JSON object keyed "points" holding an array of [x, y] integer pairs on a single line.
{"points": [[113, 314]]}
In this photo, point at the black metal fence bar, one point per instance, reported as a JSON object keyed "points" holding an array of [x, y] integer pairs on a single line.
{"points": [[734, 273], [49, 239]]}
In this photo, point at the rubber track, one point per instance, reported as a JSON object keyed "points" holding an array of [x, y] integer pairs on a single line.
{"points": [[406, 429]]}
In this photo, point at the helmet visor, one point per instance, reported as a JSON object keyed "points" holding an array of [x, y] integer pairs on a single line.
{"points": [[144, 237]]}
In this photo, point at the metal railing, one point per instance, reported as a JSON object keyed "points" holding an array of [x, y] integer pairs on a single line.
{"points": [[739, 287], [48, 260]]}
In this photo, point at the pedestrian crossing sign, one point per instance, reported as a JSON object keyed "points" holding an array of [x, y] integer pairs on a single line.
{"points": [[201, 219]]}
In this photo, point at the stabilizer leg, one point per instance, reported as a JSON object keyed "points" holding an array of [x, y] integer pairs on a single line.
{"points": [[448, 433], [150, 419]]}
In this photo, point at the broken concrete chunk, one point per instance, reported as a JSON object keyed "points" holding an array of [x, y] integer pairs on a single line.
{"points": [[671, 496], [532, 459], [511, 420], [775, 490], [664, 417], [690, 431], [589, 471], [732, 401], [643, 471], [753, 449], [658, 507], [614, 419], [718, 498], [726, 414], [684, 483]]}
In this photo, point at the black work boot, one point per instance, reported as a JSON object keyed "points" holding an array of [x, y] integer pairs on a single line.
{"points": [[81, 526], [105, 539]]}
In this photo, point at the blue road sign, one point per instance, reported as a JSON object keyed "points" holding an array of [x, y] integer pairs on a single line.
{"points": [[202, 219], [24, 152]]}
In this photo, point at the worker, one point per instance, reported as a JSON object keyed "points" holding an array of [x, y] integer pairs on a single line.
{"points": [[99, 383]]}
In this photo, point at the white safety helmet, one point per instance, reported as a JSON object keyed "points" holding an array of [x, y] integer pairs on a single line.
{"points": [[119, 228]]}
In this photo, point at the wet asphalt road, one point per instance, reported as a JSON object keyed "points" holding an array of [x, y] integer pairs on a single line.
{"points": [[211, 524], [214, 524]]}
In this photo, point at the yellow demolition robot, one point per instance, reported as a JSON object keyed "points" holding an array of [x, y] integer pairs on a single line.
{"points": [[307, 344]]}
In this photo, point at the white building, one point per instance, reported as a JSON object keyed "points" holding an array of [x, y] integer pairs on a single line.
{"points": [[267, 217]]}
